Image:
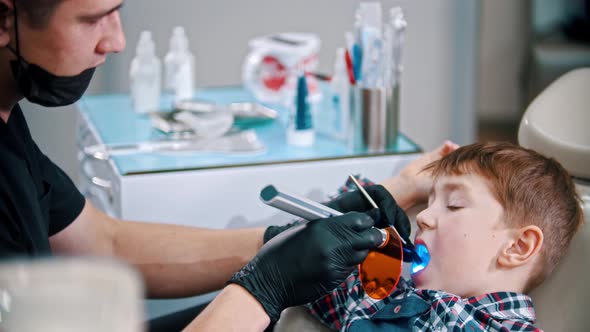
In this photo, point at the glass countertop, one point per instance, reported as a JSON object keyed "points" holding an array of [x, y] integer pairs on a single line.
{"points": [[116, 123]]}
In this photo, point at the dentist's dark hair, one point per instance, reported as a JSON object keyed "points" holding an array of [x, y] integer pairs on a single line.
{"points": [[37, 13]]}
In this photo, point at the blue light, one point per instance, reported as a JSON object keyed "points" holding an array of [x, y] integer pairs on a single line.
{"points": [[423, 253]]}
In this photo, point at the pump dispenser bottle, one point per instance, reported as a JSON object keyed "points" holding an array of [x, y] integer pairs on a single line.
{"points": [[179, 66], [145, 76]]}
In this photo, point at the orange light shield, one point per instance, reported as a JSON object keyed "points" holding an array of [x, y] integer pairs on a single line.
{"points": [[381, 270]]}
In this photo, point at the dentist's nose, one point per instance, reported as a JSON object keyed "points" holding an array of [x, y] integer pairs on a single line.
{"points": [[113, 40]]}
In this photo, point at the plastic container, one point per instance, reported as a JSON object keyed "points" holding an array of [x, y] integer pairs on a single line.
{"points": [[273, 62], [179, 67], [145, 76]]}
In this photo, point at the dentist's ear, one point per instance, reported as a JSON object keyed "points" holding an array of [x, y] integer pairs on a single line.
{"points": [[525, 246], [6, 21]]}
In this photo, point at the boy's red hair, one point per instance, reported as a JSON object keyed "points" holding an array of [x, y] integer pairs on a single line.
{"points": [[532, 189]]}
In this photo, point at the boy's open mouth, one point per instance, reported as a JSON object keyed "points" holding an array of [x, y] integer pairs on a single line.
{"points": [[423, 253]]}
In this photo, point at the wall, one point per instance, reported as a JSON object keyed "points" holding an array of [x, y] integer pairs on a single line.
{"points": [[504, 41], [53, 129], [438, 85]]}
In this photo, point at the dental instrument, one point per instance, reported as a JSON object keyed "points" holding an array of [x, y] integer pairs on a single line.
{"points": [[241, 142], [310, 210], [295, 205], [372, 202]]}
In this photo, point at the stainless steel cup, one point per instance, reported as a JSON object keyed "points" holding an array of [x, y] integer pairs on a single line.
{"points": [[368, 119], [391, 116], [374, 126]]}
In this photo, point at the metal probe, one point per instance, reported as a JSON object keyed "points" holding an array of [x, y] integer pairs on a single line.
{"points": [[372, 202]]}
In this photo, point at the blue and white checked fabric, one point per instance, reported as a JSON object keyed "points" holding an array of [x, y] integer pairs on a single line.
{"points": [[348, 308]]}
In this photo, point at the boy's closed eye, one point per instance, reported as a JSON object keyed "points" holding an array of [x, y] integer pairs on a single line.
{"points": [[456, 200], [453, 207]]}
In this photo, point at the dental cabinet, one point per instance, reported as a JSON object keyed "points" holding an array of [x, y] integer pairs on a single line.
{"points": [[211, 189]]}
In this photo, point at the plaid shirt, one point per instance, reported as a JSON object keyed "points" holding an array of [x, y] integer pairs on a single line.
{"points": [[348, 308]]}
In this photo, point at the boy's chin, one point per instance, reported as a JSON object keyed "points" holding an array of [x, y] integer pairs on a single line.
{"points": [[420, 278]]}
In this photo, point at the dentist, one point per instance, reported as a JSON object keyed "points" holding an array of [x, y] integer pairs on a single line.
{"points": [[49, 50]]}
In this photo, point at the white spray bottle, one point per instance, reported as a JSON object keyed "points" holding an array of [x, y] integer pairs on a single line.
{"points": [[179, 65], [145, 76]]}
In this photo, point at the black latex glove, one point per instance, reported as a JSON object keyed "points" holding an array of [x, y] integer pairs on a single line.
{"points": [[306, 261], [389, 212], [272, 231]]}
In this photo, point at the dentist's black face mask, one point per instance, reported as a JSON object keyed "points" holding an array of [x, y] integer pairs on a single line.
{"points": [[44, 88]]}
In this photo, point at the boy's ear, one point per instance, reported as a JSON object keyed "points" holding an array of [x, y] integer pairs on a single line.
{"points": [[526, 244], [6, 21]]}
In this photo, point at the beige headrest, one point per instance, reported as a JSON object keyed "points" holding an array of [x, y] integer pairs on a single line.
{"points": [[562, 301], [557, 122]]}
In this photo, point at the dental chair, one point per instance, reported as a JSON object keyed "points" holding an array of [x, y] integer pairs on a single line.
{"points": [[557, 124]]}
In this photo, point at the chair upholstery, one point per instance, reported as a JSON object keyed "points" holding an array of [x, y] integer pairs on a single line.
{"points": [[556, 124], [562, 302]]}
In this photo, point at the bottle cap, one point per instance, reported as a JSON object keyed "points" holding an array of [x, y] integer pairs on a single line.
{"points": [[178, 41], [145, 46]]}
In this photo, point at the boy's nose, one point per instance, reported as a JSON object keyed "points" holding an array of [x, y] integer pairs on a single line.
{"points": [[425, 220]]}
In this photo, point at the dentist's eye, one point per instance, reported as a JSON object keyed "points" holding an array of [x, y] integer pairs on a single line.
{"points": [[453, 207]]}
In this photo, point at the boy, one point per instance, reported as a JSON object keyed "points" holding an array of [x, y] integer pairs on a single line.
{"points": [[499, 219]]}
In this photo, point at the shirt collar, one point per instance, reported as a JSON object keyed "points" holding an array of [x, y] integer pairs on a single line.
{"points": [[505, 305], [500, 305]]}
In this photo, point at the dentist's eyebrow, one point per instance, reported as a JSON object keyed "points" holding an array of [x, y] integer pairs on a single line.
{"points": [[97, 16]]}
